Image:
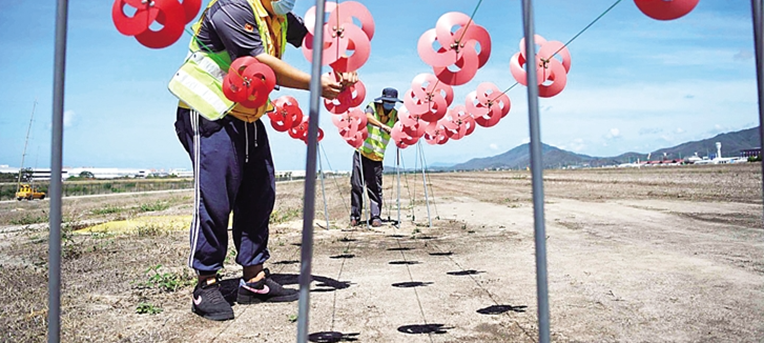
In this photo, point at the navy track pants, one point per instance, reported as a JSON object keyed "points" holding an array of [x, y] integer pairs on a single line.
{"points": [[233, 171]]}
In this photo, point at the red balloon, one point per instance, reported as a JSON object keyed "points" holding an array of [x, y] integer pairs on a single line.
{"points": [[286, 115], [435, 133], [341, 35], [456, 48], [171, 14], [352, 96], [249, 82], [666, 9], [428, 99], [487, 104], [458, 122]]}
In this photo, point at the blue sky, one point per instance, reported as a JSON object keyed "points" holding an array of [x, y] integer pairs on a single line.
{"points": [[636, 84]]}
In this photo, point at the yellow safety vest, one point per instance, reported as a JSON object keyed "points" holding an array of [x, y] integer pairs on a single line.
{"points": [[198, 82], [374, 146]]}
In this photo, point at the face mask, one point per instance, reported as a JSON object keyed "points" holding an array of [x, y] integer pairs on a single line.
{"points": [[388, 106], [282, 7]]}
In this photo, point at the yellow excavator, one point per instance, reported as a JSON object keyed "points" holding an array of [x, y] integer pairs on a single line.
{"points": [[28, 192]]}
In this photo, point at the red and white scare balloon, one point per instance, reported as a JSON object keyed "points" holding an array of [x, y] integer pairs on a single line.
{"points": [[170, 14], [455, 48], [341, 36], [552, 65], [249, 82], [666, 9]]}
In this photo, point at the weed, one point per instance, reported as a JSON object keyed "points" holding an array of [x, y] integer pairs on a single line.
{"points": [[153, 207], [31, 219], [147, 308], [165, 282], [286, 215], [292, 318], [416, 231], [107, 210], [149, 230]]}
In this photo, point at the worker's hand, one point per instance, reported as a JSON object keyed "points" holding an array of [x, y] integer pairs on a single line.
{"points": [[330, 87], [347, 79], [387, 129]]}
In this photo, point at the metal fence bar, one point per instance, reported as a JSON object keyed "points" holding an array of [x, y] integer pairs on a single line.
{"points": [[323, 187], [757, 9], [309, 204], [537, 166], [56, 143]]}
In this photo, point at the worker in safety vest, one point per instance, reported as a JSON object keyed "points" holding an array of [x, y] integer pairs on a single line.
{"points": [[228, 146], [367, 160]]}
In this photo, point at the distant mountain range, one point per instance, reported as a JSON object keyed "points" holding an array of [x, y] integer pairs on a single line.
{"points": [[519, 157]]}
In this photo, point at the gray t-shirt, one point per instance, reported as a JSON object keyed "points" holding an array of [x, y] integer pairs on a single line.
{"points": [[230, 25]]}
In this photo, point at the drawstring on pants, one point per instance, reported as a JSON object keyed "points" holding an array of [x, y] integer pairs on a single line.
{"points": [[246, 144], [246, 140]]}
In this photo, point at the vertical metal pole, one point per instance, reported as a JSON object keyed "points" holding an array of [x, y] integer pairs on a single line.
{"points": [[424, 182], [398, 172], [537, 167], [758, 39], [309, 204], [323, 188], [56, 144]]}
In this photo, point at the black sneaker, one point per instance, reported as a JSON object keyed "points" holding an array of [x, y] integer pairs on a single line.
{"points": [[265, 290], [209, 303]]}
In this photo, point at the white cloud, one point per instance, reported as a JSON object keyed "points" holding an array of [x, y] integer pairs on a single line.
{"points": [[743, 55], [493, 146], [68, 118], [613, 134], [577, 145], [679, 130]]}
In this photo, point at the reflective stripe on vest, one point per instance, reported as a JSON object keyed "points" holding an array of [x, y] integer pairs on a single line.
{"points": [[374, 146], [198, 82]]}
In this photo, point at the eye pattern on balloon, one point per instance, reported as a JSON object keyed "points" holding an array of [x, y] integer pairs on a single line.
{"points": [[352, 96], [428, 99], [551, 73], [341, 36], [249, 82], [458, 49], [286, 115], [666, 9], [487, 104], [170, 14]]}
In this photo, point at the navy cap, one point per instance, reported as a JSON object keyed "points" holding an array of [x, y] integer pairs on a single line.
{"points": [[389, 95]]}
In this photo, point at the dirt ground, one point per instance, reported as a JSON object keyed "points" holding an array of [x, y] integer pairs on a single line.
{"points": [[672, 254]]}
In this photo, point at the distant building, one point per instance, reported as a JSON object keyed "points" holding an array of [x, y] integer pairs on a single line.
{"points": [[755, 152]]}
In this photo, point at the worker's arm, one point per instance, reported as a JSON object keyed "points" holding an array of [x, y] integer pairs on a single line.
{"points": [[241, 40], [371, 118], [289, 76]]}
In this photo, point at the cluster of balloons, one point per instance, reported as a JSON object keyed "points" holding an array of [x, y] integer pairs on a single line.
{"points": [[456, 48], [287, 117], [171, 14], [427, 114], [341, 36], [452, 45]]}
